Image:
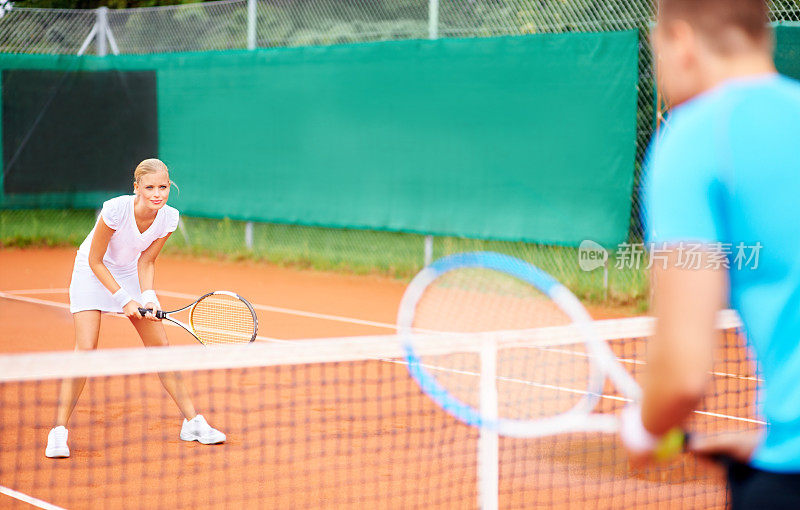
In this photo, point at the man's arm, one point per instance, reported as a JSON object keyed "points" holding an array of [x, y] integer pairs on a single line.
{"points": [[680, 356]]}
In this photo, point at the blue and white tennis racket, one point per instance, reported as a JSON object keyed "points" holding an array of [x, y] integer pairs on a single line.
{"points": [[517, 352]]}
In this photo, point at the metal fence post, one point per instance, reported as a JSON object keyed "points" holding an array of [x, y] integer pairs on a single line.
{"points": [[248, 235], [251, 24], [102, 31], [428, 250], [101, 34], [433, 19], [184, 232]]}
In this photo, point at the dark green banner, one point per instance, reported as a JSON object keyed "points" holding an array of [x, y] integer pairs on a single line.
{"points": [[517, 138]]}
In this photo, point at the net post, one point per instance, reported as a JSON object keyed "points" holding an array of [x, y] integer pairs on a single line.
{"points": [[433, 19], [488, 440], [248, 235], [428, 250], [251, 24]]}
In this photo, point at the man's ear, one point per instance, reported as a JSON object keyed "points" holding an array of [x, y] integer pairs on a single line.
{"points": [[685, 41]]}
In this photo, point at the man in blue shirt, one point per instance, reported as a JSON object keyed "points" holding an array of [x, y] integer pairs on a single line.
{"points": [[725, 176]]}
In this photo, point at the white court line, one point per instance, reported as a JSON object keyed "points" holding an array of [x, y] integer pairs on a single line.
{"points": [[36, 301], [717, 415], [11, 294], [38, 503], [266, 308], [577, 391], [640, 362], [299, 313], [608, 329], [56, 304]]}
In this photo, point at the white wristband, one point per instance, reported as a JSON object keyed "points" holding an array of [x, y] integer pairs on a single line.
{"points": [[122, 297], [635, 437], [149, 296]]}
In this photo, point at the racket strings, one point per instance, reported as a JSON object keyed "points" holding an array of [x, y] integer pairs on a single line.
{"points": [[478, 300], [532, 382], [223, 319]]}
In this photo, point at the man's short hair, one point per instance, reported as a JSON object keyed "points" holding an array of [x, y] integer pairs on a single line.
{"points": [[716, 19]]}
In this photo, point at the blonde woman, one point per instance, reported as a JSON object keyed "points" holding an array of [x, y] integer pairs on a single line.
{"points": [[113, 265]]}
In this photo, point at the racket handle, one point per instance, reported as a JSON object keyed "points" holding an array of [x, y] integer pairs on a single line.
{"points": [[159, 314], [719, 458]]}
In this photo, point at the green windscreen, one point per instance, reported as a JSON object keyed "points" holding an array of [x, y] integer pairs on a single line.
{"points": [[515, 138], [787, 49]]}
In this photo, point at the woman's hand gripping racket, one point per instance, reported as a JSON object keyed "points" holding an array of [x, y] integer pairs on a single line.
{"points": [[500, 344], [219, 317]]}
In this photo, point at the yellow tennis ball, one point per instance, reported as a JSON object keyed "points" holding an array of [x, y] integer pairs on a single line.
{"points": [[670, 445]]}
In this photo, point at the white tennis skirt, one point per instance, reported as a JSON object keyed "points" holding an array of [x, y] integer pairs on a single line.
{"points": [[87, 293]]}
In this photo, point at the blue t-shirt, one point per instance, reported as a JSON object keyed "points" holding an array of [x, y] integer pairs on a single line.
{"points": [[726, 170]]}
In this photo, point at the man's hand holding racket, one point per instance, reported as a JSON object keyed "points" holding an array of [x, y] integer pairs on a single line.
{"points": [[644, 447], [735, 446]]}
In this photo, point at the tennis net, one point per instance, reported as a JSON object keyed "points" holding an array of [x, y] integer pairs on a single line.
{"points": [[326, 423]]}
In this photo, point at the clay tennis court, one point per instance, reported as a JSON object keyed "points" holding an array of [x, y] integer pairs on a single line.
{"points": [[322, 435]]}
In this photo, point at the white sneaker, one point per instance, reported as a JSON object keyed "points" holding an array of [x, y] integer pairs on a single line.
{"points": [[197, 429], [57, 443]]}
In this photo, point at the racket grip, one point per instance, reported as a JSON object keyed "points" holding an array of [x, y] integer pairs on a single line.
{"points": [[719, 458], [159, 314]]}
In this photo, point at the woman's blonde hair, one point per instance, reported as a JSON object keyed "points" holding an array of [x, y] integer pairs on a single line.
{"points": [[151, 166]]}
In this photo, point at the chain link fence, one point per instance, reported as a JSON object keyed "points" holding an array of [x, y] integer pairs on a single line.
{"points": [[248, 24]]}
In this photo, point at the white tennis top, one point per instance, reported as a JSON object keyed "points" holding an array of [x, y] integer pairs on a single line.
{"points": [[127, 243]]}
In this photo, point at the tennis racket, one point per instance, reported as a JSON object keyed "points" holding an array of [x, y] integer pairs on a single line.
{"points": [[219, 317], [501, 345]]}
